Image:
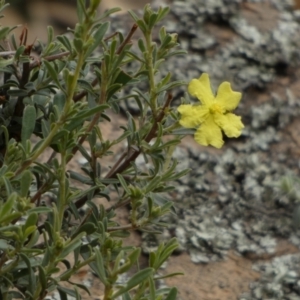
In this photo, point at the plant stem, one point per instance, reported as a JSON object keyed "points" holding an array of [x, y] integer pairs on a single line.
{"points": [[40, 150], [62, 188], [68, 273], [149, 66], [168, 158]]}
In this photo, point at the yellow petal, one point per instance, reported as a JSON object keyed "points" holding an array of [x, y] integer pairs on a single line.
{"points": [[201, 89], [192, 115], [230, 123], [226, 97], [209, 133]]}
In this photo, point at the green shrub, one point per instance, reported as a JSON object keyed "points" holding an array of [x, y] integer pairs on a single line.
{"points": [[55, 104], [50, 105]]}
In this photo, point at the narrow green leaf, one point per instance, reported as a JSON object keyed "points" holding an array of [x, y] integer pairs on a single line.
{"points": [[45, 127], [39, 210], [169, 275], [85, 85], [42, 277], [100, 267], [8, 206], [17, 92], [31, 278], [172, 294], [141, 45], [142, 25], [151, 289], [72, 245], [78, 44], [126, 296], [59, 100], [80, 10], [90, 112], [12, 216], [179, 174], [130, 260], [81, 178], [84, 153], [5, 246], [33, 239], [153, 20], [168, 250], [15, 295], [113, 89], [81, 286], [4, 6], [133, 15], [67, 264], [50, 34], [31, 220], [120, 233], [162, 12], [171, 85], [152, 184], [175, 53], [183, 131], [87, 228], [3, 170], [152, 259], [4, 32], [53, 74], [98, 37], [123, 183], [136, 279], [74, 124], [62, 293], [108, 13], [26, 180], [123, 78], [66, 42]]}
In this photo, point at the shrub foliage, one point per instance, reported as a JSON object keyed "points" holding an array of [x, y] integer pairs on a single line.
{"points": [[53, 105]]}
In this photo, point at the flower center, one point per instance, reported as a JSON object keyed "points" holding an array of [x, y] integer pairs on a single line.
{"points": [[215, 108]]}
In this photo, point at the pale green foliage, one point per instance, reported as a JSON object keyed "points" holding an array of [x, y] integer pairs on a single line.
{"points": [[61, 99]]}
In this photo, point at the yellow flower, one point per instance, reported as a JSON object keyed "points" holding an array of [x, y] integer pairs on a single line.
{"points": [[214, 114]]}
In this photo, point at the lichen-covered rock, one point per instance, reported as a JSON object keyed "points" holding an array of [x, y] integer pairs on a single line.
{"points": [[233, 199]]}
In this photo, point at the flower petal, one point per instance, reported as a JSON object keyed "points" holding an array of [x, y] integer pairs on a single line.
{"points": [[209, 133], [192, 115], [230, 123], [226, 97], [201, 89]]}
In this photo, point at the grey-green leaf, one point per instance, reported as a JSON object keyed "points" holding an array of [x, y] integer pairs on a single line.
{"points": [[138, 278], [28, 123], [172, 294], [26, 180]]}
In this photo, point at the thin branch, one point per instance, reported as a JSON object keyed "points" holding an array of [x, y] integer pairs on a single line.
{"points": [[7, 53], [131, 157], [94, 121], [83, 93], [148, 138], [127, 39], [121, 158], [52, 156], [118, 205], [37, 62], [124, 227], [111, 36], [39, 193]]}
